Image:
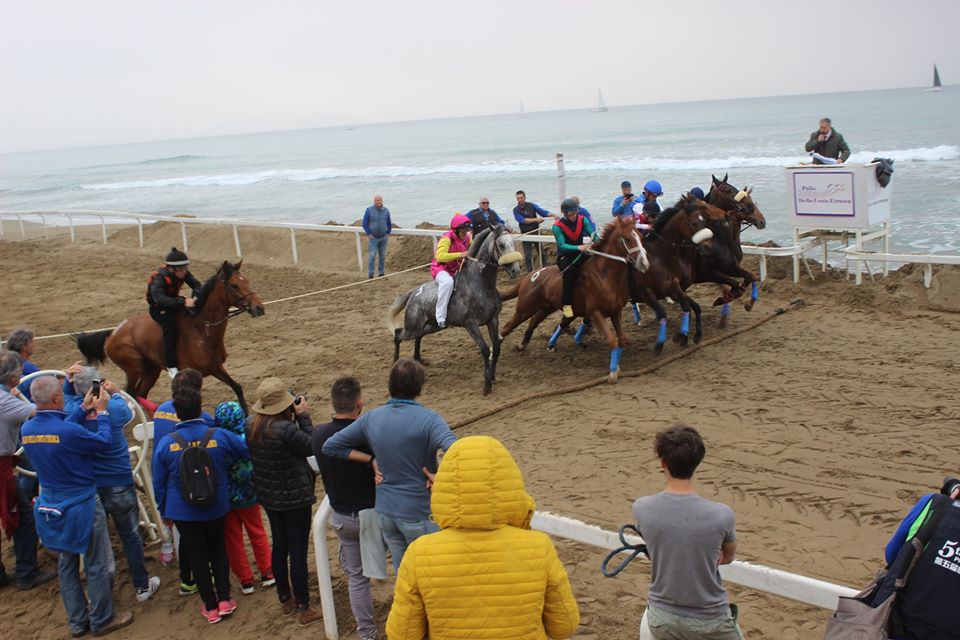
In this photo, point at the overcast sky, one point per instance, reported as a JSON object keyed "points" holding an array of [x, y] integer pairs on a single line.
{"points": [[91, 72]]}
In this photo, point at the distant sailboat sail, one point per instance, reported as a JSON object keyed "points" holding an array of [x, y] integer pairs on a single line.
{"points": [[601, 105], [936, 81], [522, 113]]}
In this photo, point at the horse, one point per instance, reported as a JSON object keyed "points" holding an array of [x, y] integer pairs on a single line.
{"points": [[600, 293], [136, 345], [723, 266], [679, 237], [473, 303]]}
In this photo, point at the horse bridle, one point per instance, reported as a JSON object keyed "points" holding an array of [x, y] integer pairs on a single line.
{"points": [[630, 251], [739, 209], [241, 305]]}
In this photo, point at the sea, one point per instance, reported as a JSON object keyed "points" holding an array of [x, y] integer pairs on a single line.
{"points": [[428, 170]]}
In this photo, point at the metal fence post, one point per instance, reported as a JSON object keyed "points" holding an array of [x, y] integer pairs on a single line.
{"points": [[183, 232], [561, 177], [236, 240], [140, 231], [23, 232], [103, 229], [293, 245], [356, 234], [43, 225]]}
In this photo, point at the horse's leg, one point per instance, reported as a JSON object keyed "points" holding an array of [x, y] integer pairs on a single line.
{"points": [[396, 344], [221, 374], [493, 328], [474, 332], [535, 321], [416, 350], [698, 329], [653, 303], [612, 341], [682, 336], [147, 379]]}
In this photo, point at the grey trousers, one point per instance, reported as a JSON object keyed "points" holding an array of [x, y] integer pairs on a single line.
{"points": [[347, 528]]}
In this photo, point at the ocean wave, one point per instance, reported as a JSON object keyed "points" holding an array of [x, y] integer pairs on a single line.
{"points": [[616, 165], [171, 159]]}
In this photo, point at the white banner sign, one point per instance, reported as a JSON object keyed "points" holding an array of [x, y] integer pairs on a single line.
{"points": [[826, 193]]}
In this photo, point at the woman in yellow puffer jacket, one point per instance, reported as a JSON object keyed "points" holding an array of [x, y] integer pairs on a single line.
{"points": [[485, 575]]}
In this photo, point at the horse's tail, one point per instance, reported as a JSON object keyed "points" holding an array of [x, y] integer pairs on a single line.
{"points": [[511, 293], [394, 320], [92, 345]]}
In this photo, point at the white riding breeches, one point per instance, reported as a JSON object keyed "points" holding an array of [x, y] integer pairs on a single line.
{"points": [[444, 290]]}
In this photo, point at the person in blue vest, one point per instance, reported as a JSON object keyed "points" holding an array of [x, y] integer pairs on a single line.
{"points": [[378, 227], [569, 232], [112, 473], [924, 609], [623, 203], [483, 217], [201, 527], [163, 296], [529, 215], [68, 515]]}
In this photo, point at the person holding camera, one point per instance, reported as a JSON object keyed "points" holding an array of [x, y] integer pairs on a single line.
{"points": [[111, 470], [278, 434], [923, 610], [191, 466], [163, 296], [67, 512]]}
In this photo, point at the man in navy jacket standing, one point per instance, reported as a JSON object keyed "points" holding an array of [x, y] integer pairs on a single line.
{"points": [[378, 226]]}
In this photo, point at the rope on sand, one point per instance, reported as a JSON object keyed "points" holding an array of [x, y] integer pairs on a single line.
{"points": [[596, 382]]}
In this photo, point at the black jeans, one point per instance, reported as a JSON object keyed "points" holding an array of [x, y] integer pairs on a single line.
{"points": [[206, 551], [171, 333], [570, 267], [290, 531]]}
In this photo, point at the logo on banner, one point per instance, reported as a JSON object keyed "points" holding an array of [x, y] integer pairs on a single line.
{"points": [[827, 193]]}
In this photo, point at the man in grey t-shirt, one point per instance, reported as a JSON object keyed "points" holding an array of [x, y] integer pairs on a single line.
{"points": [[687, 537]]}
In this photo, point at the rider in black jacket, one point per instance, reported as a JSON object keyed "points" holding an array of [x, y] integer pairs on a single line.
{"points": [[163, 296]]}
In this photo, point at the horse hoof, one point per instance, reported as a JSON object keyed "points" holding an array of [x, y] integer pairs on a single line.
{"points": [[718, 302], [423, 362], [613, 376], [681, 339], [487, 389], [520, 347], [723, 322], [658, 347], [748, 306], [697, 338], [551, 349]]}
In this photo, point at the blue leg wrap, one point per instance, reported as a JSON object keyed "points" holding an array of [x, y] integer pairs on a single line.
{"points": [[636, 313], [725, 310], [615, 354], [582, 329], [685, 323], [662, 332], [553, 339], [754, 291]]}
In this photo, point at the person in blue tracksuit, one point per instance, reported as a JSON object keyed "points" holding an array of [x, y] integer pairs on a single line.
{"points": [[67, 512]]}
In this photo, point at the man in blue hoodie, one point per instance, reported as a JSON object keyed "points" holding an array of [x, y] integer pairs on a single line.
{"points": [[377, 226], [112, 473], [67, 512]]}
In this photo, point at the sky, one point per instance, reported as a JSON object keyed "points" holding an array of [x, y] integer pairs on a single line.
{"points": [[116, 71]]}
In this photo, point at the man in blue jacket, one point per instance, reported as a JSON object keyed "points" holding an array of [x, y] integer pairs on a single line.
{"points": [[112, 473], [201, 527], [377, 226], [623, 204], [68, 515]]}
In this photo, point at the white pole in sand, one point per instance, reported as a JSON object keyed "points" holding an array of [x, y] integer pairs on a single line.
{"points": [[561, 177], [183, 232], [236, 241], [359, 251], [293, 244]]}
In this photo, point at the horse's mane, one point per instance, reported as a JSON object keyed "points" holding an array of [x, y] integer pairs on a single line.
{"points": [[667, 214], [605, 233], [225, 270], [477, 243]]}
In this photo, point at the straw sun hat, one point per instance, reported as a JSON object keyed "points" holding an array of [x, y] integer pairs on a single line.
{"points": [[272, 397]]}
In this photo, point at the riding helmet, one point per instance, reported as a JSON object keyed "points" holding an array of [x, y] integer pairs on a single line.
{"points": [[696, 193], [176, 258], [458, 221], [653, 187], [569, 205]]}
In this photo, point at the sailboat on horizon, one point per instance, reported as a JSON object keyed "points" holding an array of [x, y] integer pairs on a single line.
{"points": [[601, 105], [937, 86], [522, 113]]}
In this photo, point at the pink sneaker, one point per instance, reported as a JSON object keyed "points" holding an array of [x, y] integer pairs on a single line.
{"points": [[227, 607], [212, 616]]}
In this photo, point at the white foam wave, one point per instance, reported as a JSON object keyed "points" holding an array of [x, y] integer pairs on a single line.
{"points": [[616, 165]]}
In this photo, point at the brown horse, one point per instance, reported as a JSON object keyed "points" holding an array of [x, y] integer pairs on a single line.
{"points": [[136, 345], [600, 293]]}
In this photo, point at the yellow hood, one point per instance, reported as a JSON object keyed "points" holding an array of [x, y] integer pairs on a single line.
{"points": [[479, 486]]}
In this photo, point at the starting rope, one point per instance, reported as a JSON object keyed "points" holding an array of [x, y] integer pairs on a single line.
{"points": [[596, 382]]}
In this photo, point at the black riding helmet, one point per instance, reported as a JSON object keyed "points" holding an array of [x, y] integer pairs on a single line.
{"points": [[176, 258], [569, 205]]}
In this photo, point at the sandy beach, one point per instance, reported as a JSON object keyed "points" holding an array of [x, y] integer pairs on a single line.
{"points": [[823, 425]]}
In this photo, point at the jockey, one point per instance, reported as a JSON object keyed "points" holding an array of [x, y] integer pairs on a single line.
{"points": [[451, 252], [569, 231], [163, 296]]}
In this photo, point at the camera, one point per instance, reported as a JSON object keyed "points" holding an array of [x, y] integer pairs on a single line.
{"points": [[949, 485], [95, 389], [298, 400]]}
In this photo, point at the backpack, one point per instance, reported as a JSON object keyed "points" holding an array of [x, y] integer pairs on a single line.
{"points": [[198, 478]]}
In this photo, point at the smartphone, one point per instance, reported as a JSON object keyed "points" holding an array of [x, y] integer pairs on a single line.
{"points": [[298, 400], [95, 389]]}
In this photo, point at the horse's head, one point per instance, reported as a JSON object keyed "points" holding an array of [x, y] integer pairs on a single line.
{"points": [[738, 202], [239, 293], [620, 237], [686, 223], [494, 246]]}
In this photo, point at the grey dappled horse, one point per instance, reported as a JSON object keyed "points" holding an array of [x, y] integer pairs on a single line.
{"points": [[473, 303]]}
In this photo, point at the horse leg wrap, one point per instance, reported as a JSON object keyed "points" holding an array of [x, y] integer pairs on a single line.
{"points": [[556, 336], [754, 291], [636, 312], [725, 310], [662, 332], [582, 329], [615, 354], [685, 323]]}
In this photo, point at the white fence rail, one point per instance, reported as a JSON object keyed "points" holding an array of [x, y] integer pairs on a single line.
{"points": [[47, 220]]}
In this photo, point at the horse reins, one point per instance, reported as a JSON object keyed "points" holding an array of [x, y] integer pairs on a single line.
{"points": [[232, 314]]}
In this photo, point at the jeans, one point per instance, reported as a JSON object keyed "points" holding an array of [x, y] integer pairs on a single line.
{"points": [[291, 534], [399, 533], [670, 626], [25, 537], [121, 504], [100, 570], [347, 528], [203, 542], [376, 246], [528, 255]]}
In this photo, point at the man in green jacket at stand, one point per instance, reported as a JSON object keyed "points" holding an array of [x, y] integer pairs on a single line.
{"points": [[828, 143]]}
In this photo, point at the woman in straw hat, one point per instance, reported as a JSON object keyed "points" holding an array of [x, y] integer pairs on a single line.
{"points": [[278, 435]]}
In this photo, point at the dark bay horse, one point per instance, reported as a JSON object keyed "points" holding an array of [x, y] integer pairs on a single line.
{"points": [[600, 293], [680, 236], [136, 346], [473, 303], [722, 265]]}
